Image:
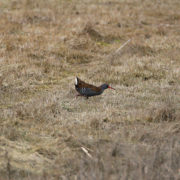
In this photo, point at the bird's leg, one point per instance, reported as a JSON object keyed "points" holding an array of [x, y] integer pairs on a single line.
{"points": [[78, 95], [86, 97]]}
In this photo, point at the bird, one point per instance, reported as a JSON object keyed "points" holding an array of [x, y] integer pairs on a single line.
{"points": [[88, 90]]}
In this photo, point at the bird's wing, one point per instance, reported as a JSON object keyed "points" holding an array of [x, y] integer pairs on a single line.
{"points": [[82, 84]]}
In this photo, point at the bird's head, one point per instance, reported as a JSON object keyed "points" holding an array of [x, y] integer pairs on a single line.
{"points": [[106, 86]]}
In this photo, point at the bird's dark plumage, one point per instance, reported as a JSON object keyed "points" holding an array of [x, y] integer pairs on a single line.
{"points": [[88, 90]]}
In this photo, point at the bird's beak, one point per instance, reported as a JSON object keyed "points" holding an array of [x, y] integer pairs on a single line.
{"points": [[111, 87]]}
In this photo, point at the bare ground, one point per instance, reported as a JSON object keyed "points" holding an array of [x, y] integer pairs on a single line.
{"points": [[130, 133]]}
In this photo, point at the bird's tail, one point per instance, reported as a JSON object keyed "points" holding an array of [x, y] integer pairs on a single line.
{"points": [[76, 81]]}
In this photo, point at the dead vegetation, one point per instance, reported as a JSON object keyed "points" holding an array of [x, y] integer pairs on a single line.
{"points": [[130, 133], [129, 161]]}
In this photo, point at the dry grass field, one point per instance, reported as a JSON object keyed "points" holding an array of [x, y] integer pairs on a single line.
{"points": [[47, 133]]}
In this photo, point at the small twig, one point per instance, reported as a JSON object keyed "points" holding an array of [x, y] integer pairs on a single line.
{"points": [[89, 149], [122, 46], [86, 152]]}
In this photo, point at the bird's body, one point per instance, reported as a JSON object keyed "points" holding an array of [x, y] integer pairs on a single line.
{"points": [[88, 90]]}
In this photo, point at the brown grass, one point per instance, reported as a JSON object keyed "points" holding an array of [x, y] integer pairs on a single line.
{"points": [[131, 133]]}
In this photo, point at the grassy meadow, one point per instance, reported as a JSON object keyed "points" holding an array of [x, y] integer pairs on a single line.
{"points": [[133, 133]]}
